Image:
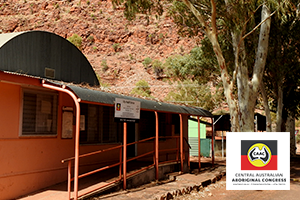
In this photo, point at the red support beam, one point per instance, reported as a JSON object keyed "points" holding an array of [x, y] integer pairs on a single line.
{"points": [[213, 143], [181, 142], [156, 145], [199, 144], [124, 155]]}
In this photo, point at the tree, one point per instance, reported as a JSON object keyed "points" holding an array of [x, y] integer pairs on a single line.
{"points": [[281, 77], [211, 18], [197, 77]]}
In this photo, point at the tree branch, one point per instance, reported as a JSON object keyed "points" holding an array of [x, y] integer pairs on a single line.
{"points": [[257, 26], [197, 15], [213, 17]]}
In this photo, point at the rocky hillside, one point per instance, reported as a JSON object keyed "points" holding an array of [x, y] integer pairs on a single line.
{"points": [[114, 46]]}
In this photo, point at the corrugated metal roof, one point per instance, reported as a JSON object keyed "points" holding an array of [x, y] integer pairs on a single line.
{"points": [[47, 55], [96, 96]]}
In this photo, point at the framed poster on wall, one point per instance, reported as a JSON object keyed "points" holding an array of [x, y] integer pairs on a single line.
{"points": [[67, 123]]}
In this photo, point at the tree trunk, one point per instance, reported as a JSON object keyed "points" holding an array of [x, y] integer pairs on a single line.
{"points": [[241, 111], [211, 33], [248, 90], [266, 107], [290, 127], [279, 108]]}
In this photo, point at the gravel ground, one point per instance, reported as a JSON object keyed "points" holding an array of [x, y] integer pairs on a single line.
{"points": [[204, 192]]}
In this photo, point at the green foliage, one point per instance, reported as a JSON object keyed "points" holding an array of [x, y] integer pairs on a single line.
{"points": [[147, 61], [76, 40], [91, 39], [116, 47], [131, 57], [142, 89], [193, 71], [133, 7], [283, 65], [104, 65], [157, 66], [195, 94], [196, 66]]}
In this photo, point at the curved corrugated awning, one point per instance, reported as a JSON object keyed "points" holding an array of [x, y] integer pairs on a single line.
{"points": [[47, 55], [96, 96]]}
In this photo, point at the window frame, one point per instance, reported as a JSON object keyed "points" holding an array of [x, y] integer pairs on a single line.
{"points": [[55, 115]]}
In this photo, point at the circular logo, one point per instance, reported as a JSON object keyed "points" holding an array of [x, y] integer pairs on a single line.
{"points": [[259, 155]]}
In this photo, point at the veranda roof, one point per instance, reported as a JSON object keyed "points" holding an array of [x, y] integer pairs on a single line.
{"points": [[96, 96]]}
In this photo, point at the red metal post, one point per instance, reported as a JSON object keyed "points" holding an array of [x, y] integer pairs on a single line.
{"points": [[77, 129], [177, 151], [199, 144], [181, 143], [212, 143], [69, 178], [120, 164], [156, 145], [124, 155]]}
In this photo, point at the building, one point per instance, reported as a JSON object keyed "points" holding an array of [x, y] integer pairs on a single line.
{"points": [[52, 111]]}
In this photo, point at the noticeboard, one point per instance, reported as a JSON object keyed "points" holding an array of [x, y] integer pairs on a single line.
{"points": [[127, 110]]}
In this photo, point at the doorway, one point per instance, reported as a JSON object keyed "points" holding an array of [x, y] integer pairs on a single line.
{"points": [[131, 137]]}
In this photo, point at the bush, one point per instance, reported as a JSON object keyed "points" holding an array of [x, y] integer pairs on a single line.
{"points": [[76, 40], [142, 88], [116, 47], [104, 65], [147, 61], [157, 68]]}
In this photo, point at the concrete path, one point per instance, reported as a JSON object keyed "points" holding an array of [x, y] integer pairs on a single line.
{"points": [[178, 185]]}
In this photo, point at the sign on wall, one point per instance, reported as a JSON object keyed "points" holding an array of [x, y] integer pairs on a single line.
{"points": [[258, 161], [127, 110], [67, 123]]}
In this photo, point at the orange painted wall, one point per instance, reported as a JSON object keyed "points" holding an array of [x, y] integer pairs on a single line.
{"points": [[32, 163], [9, 109]]}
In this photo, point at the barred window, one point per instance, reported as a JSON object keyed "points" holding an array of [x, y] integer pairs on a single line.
{"points": [[39, 113]]}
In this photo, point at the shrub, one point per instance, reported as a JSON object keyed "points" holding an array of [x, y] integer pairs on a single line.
{"points": [[91, 39], [142, 88], [147, 61], [76, 40], [104, 65], [116, 47], [157, 67]]}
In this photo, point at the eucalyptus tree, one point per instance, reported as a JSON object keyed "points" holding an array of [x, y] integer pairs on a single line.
{"points": [[242, 77], [197, 77], [281, 77]]}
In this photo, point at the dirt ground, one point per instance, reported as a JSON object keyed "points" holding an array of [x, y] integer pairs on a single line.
{"points": [[217, 191]]}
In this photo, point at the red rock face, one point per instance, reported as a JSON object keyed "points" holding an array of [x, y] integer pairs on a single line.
{"points": [[106, 35]]}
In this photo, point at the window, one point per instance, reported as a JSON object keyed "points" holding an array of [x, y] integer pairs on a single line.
{"points": [[100, 126], [39, 113]]}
